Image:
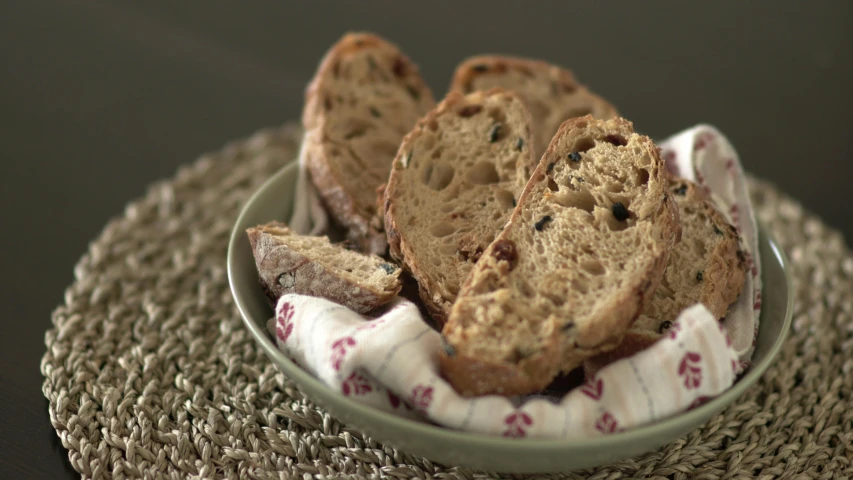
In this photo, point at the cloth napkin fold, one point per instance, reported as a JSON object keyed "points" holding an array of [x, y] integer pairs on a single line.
{"points": [[391, 362]]}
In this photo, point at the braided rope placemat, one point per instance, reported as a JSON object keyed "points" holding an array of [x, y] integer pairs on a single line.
{"points": [[150, 373]]}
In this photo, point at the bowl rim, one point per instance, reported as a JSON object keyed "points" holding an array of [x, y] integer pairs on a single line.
{"points": [[444, 434]]}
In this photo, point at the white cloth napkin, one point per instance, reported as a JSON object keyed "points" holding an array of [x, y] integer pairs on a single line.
{"points": [[391, 362], [702, 154]]}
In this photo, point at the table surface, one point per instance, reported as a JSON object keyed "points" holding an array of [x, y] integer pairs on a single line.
{"points": [[99, 99]]}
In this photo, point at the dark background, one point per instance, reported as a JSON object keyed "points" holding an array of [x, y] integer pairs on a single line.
{"points": [[99, 99]]}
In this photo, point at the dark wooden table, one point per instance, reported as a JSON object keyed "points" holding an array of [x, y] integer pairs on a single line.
{"points": [[98, 99]]}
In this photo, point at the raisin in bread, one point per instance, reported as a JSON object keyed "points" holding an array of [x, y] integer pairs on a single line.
{"points": [[581, 255], [364, 98], [452, 188], [307, 265], [552, 93], [706, 267]]}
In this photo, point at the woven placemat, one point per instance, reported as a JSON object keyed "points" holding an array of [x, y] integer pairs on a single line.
{"points": [[150, 373]]}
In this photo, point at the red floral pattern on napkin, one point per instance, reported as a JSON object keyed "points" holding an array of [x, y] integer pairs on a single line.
{"points": [[690, 369], [593, 388], [607, 423], [517, 424], [339, 351]]}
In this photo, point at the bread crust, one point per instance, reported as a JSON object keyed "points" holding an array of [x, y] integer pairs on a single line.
{"points": [[340, 201], [564, 89], [613, 318], [275, 260]]}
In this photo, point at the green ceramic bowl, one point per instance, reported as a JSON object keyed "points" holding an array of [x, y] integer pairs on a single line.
{"points": [[450, 447]]}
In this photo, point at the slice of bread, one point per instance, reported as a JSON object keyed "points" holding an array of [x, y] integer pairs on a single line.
{"points": [[452, 188], [552, 93], [583, 252], [706, 267], [365, 97], [307, 265]]}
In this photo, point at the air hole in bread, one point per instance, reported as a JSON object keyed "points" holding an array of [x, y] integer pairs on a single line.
{"points": [[505, 199], [616, 139], [521, 352], [580, 285], [540, 249], [557, 297], [441, 229], [642, 177], [583, 144], [593, 267], [497, 115], [357, 130], [580, 199], [482, 173], [447, 207], [552, 185], [433, 125], [400, 68], [447, 249], [451, 193], [615, 187], [469, 110], [644, 160], [699, 247], [438, 176], [436, 154], [428, 142]]}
